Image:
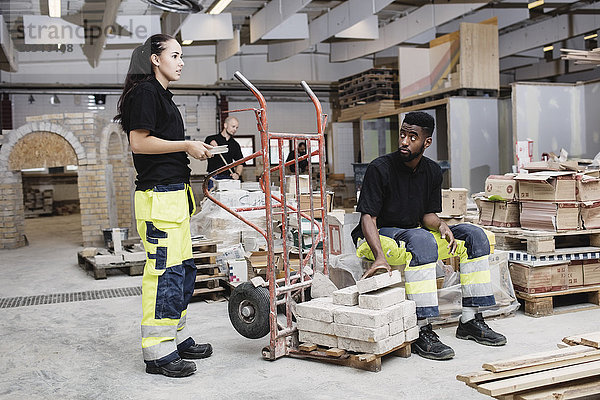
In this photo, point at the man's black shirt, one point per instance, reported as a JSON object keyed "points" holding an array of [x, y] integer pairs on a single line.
{"points": [[150, 106], [397, 195], [234, 152]]}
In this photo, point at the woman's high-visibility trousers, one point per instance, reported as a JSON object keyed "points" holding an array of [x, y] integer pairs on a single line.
{"points": [[163, 222]]}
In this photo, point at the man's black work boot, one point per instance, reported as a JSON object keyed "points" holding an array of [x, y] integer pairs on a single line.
{"points": [[428, 345], [197, 351], [175, 369], [477, 330]]}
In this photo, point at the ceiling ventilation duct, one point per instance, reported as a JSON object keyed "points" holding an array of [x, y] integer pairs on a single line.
{"points": [[177, 6]]}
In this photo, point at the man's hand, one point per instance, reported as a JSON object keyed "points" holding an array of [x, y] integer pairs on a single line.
{"points": [[446, 233], [235, 176], [377, 265], [198, 150]]}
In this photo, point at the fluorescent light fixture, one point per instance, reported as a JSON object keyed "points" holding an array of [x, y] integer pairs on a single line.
{"points": [[54, 100], [535, 4], [592, 36], [54, 8], [187, 42], [219, 6], [548, 48]]}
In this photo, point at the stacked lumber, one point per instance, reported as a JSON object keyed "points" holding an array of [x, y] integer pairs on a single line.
{"points": [[567, 373], [582, 56], [588, 339]]}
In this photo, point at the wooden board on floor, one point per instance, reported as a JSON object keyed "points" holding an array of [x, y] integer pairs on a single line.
{"points": [[591, 339], [538, 379], [570, 390], [537, 359]]}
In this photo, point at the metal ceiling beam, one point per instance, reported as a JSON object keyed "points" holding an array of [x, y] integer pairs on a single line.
{"points": [[273, 15], [549, 31], [401, 30], [327, 25], [8, 57], [506, 17]]}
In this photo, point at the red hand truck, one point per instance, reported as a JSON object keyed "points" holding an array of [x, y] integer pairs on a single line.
{"points": [[253, 308]]}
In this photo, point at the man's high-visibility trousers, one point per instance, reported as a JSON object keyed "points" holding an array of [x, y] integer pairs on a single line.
{"points": [[424, 248], [163, 222]]}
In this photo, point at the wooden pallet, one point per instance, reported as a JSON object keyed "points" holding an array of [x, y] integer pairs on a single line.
{"points": [[210, 283], [99, 271], [542, 304], [569, 372], [543, 242], [364, 361]]}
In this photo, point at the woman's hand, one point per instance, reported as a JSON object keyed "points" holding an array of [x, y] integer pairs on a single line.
{"points": [[198, 150]]}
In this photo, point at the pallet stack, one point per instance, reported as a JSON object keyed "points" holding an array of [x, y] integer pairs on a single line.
{"points": [[371, 317], [210, 281], [369, 86], [567, 373]]}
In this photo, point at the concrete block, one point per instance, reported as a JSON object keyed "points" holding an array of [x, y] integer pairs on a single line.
{"points": [[321, 286], [412, 334], [317, 309], [410, 307], [396, 327], [317, 338], [311, 325], [410, 321], [378, 282], [108, 259], [133, 257], [381, 347], [382, 298], [361, 333], [361, 317], [347, 296]]}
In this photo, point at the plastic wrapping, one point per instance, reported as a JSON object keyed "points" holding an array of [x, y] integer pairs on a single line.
{"points": [[215, 223]]}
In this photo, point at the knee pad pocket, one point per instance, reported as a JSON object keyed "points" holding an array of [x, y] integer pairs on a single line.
{"points": [[169, 293]]}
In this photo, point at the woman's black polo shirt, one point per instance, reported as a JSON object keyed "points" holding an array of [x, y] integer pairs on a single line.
{"points": [[397, 195], [150, 106]]}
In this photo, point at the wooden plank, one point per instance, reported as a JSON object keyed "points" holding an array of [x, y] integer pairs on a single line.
{"points": [[570, 390], [479, 67], [572, 340], [536, 359], [335, 352], [307, 347], [479, 377], [591, 339], [530, 381]]}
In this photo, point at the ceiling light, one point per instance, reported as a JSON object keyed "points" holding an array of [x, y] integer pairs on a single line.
{"points": [[548, 48], [187, 42], [535, 4], [30, 99], [219, 6], [54, 8], [99, 99], [592, 36], [54, 99]]}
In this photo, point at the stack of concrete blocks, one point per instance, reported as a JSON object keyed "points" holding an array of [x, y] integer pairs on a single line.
{"points": [[372, 316]]}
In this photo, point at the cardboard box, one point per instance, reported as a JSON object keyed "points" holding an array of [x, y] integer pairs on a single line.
{"points": [[591, 272], [539, 279], [551, 165], [506, 214], [454, 202], [588, 188], [538, 215], [503, 186], [523, 152], [452, 220], [547, 186], [575, 274], [590, 215], [486, 211], [305, 201]]}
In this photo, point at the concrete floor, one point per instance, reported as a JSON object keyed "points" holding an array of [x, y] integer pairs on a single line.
{"points": [[91, 349]]}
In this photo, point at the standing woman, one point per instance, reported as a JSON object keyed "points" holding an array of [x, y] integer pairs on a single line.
{"points": [[163, 204]]}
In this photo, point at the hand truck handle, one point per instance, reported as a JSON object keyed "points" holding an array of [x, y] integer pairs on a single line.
{"points": [[252, 88]]}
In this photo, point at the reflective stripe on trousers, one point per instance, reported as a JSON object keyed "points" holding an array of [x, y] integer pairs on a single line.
{"points": [[162, 216], [424, 248]]}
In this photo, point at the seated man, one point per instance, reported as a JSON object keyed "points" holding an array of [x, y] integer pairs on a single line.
{"points": [[400, 196]]}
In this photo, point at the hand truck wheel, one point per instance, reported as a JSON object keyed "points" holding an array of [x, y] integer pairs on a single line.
{"points": [[249, 309]]}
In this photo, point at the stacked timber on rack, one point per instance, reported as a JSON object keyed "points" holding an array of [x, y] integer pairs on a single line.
{"points": [[371, 318], [566, 373], [548, 220], [369, 86], [210, 281], [582, 56]]}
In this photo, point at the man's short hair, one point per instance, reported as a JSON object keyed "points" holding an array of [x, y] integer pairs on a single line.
{"points": [[422, 119], [231, 118]]}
